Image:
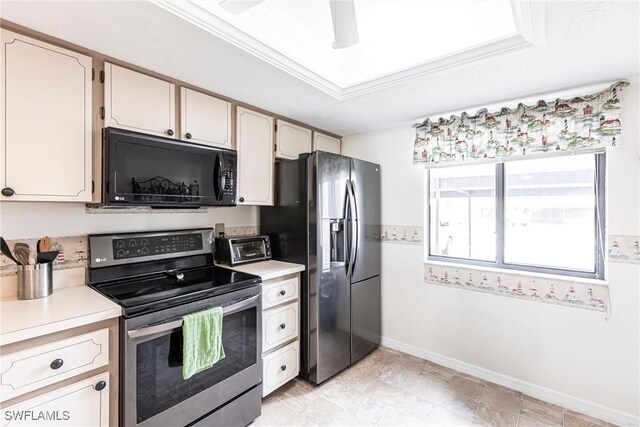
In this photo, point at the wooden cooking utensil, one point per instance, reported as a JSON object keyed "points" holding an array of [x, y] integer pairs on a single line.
{"points": [[44, 244]]}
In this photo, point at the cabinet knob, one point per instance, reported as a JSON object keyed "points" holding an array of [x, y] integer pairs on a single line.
{"points": [[187, 135], [283, 325], [7, 192], [100, 385], [57, 364], [241, 199], [282, 292], [170, 132], [283, 367]]}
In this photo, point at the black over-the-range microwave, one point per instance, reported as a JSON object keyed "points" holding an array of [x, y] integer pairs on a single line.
{"points": [[145, 170]]}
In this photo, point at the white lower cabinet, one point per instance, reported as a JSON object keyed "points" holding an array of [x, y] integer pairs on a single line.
{"points": [[37, 367], [279, 325], [280, 331], [279, 292], [84, 403], [280, 366]]}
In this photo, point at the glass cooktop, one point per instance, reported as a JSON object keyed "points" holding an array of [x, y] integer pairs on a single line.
{"points": [[168, 289]]}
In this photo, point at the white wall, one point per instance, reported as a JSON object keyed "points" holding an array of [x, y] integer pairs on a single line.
{"points": [[576, 352], [22, 220]]}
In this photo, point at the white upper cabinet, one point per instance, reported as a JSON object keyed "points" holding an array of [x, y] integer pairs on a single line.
{"points": [[204, 119], [254, 143], [45, 142], [291, 140], [326, 143], [138, 102]]}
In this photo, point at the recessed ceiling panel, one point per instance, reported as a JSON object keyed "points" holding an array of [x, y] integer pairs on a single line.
{"points": [[398, 39]]}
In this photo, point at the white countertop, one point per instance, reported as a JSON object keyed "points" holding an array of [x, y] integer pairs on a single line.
{"points": [[269, 269], [64, 309]]}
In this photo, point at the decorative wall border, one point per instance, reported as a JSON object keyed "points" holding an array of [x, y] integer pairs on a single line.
{"points": [[74, 249], [402, 234], [592, 296], [246, 230], [624, 249], [73, 253], [621, 248], [567, 292]]}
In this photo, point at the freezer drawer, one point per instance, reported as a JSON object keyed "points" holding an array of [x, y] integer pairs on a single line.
{"points": [[366, 322]]}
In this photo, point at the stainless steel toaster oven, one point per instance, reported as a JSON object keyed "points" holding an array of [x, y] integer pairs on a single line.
{"points": [[238, 250]]}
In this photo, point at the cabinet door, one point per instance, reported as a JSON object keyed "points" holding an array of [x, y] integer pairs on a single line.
{"points": [[254, 143], [138, 102], [204, 119], [291, 140], [45, 145], [84, 403], [326, 143]]}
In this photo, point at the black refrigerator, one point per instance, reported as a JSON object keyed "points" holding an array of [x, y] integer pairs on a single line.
{"points": [[327, 217]]}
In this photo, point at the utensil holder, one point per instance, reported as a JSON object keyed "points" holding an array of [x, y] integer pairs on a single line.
{"points": [[35, 281]]}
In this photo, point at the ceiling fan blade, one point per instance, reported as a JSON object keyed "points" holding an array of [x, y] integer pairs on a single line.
{"points": [[345, 26], [238, 6]]}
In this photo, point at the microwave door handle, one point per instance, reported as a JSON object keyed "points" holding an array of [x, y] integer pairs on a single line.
{"points": [[218, 173], [176, 324]]}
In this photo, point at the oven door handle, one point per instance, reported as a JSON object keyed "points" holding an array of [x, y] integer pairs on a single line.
{"points": [[176, 324]]}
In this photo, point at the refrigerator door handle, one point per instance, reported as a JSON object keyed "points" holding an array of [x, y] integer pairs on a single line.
{"points": [[355, 233], [348, 242], [353, 228]]}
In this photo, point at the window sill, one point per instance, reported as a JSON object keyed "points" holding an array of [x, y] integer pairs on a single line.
{"points": [[513, 272]]}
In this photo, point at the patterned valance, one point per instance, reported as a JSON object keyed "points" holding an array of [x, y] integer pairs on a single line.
{"points": [[587, 123]]}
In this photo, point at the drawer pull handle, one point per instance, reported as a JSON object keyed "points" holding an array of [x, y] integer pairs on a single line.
{"points": [[57, 364], [282, 292], [283, 367], [100, 385], [283, 325]]}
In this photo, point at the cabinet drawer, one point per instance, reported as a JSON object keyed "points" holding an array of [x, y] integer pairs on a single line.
{"points": [[279, 292], [31, 369], [279, 325], [280, 367], [83, 403]]}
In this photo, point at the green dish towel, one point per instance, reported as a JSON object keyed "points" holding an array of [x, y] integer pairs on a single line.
{"points": [[202, 341]]}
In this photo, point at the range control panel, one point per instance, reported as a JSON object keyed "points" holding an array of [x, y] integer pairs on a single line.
{"points": [[124, 248], [143, 246]]}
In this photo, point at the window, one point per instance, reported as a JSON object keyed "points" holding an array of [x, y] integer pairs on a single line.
{"points": [[541, 215]]}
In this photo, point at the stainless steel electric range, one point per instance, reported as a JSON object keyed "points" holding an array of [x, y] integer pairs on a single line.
{"points": [[157, 278]]}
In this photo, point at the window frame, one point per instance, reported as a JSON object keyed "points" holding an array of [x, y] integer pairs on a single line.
{"points": [[599, 229]]}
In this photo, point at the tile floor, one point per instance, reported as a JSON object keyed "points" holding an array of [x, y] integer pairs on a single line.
{"points": [[389, 388]]}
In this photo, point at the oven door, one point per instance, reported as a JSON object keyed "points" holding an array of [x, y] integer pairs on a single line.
{"points": [[152, 389]]}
